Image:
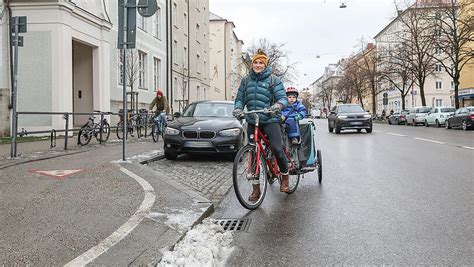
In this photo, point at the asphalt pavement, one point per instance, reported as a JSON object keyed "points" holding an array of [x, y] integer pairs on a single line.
{"points": [[85, 205]]}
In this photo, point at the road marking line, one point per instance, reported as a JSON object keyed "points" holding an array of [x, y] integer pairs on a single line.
{"points": [[468, 147], [428, 140], [125, 229], [378, 131], [397, 134]]}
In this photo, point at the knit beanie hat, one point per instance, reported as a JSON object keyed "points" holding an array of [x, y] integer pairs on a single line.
{"points": [[159, 93], [260, 55]]}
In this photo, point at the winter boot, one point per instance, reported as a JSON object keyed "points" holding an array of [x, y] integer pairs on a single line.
{"points": [[255, 193], [284, 183]]}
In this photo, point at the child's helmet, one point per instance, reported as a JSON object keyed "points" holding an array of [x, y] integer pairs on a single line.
{"points": [[292, 91]]}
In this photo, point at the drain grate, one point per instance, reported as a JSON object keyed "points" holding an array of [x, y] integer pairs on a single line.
{"points": [[233, 224]]}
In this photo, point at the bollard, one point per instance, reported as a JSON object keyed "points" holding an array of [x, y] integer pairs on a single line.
{"points": [[101, 128], [66, 117]]}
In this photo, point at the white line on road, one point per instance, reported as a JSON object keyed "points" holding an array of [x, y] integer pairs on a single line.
{"points": [[378, 131], [468, 147], [397, 134], [428, 140], [125, 229]]}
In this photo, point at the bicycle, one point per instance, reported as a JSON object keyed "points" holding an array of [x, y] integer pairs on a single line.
{"points": [[255, 164], [159, 125], [101, 131], [132, 117]]}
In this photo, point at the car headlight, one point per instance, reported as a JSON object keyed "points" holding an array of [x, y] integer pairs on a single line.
{"points": [[230, 132], [367, 116], [171, 131], [341, 116]]}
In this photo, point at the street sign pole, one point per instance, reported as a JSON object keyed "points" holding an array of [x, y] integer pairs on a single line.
{"points": [[18, 25], [124, 81]]}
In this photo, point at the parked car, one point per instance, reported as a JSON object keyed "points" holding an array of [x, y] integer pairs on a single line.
{"points": [[349, 116], [398, 117], [204, 127], [417, 115], [463, 117], [438, 115]]}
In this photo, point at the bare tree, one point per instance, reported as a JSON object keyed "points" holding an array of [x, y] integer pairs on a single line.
{"points": [[278, 59], [416, 36], [328, 88], [394, 66], [454, 24]]}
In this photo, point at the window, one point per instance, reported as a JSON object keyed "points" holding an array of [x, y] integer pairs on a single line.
{"points": [[198, 93], [205, 93], [175, 89], [185, 58], [175, 52], [197, 29], [156, 73], [141, 22], [439, 102], [120, 66], [437, 50], [205, 69], [141, 70], [198, 59], [175, 13], [157, 24], [439, 85], [185, 21], [439, 67], [452, 84]]}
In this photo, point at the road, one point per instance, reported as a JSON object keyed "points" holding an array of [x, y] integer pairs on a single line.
{"points": [[401, 195]]}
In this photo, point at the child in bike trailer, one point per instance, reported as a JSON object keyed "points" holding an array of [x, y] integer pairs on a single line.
{"points": [[260, 89], [294, 112]]}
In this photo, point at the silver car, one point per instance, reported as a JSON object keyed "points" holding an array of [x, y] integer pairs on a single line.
{"points": [[417, 115]]}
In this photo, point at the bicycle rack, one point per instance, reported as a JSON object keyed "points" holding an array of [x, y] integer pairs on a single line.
{"points": [[53, 138], [23, 132]]}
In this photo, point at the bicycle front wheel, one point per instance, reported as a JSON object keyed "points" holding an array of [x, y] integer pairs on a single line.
{"points": [[244, 176], [154, 132], [120, 130], [85, 135], [294, 173]]}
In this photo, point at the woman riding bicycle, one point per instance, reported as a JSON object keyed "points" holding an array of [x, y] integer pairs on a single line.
{"points": [[261, 90]]}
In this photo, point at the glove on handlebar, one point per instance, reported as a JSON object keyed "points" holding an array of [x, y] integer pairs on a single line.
{"points": [[276, 108], [238, 113]]}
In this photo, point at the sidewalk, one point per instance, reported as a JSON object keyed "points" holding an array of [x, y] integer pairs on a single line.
{"points": [[58, 204]]}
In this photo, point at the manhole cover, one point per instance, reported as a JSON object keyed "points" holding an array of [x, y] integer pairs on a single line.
{"points": [[233, 224]]}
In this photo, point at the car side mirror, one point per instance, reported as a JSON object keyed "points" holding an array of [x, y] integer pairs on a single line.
{"points": [[333, 112], [177, 114]]}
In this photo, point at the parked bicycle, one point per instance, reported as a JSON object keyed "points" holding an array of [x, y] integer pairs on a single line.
{"points": [[159, 125], [100, 130], [255, 164], [133, 123]]}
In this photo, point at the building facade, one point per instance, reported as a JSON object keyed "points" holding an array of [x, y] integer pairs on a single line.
{"points": [[225, 50], [190, 58], [466, 86]]}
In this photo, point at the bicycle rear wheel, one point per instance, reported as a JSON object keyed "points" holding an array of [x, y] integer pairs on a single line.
{"points": [[120, 130], [294, 174], [105, 132], [85, 135], [244, 176]]}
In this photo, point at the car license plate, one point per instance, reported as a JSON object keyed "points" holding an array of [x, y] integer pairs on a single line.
{"points": [[356, 123], [197, 144]]}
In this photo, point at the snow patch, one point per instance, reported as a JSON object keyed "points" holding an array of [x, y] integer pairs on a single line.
{"points": [[148, 154], [179, 220], [207, 244], [121, 161]]}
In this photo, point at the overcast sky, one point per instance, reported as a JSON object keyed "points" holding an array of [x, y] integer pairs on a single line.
{"points": [[308, 27]]}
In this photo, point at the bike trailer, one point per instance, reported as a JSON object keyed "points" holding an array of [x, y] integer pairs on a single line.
{"points": [[307, 152]]}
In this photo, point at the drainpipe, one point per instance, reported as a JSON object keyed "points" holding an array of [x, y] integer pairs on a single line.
{"points": [[189, 59], [225, 60], [10, 49], [169, 56]]}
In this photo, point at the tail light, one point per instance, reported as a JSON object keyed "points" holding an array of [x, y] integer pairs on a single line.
{"points": [[471, 116], [402, 116]]}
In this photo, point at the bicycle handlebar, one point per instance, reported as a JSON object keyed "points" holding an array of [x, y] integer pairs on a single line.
{"points": [[267, 111]]}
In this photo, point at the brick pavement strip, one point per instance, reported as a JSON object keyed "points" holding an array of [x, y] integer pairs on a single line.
{"points": [[210, 176]]}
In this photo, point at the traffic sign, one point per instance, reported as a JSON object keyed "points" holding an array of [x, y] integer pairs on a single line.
{"points": [[147, 8], [131, 23]]}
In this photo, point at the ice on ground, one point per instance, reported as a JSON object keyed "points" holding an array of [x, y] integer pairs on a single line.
{"points": [[178, 219], [148, 154], [207, 244]]}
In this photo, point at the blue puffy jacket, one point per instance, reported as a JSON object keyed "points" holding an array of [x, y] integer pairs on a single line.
{"points": [[258, 95], [291, 110]]}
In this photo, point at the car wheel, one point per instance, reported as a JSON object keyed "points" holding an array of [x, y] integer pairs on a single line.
{"points": [[170, 155], [446, 125], [389, 122], [338, 129], [437, 124], [464, 125], [368, 130], [426, 123]]}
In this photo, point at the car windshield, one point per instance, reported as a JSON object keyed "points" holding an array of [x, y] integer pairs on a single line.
{"points": [[350, 109], [424, 110], [448, 110], [209, 109], [470, 109]]}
